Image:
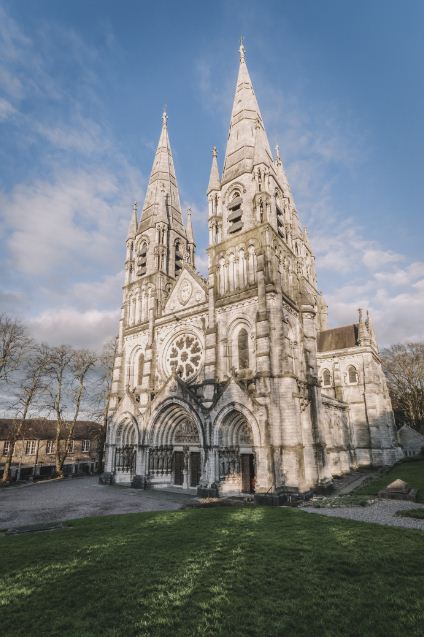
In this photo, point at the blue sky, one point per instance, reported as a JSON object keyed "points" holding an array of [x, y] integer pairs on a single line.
{"points": [[82, 87]]}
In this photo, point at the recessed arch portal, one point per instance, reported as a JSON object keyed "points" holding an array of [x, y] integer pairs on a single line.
{"points": [[176, 445], [236, 433]]}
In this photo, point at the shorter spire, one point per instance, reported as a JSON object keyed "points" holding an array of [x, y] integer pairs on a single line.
{"points": [[189, 227], [214, 181], [132, 229]]}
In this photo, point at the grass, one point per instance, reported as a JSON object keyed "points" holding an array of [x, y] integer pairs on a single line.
{"points": [[248, 571], [417, 514], [411, 470]]}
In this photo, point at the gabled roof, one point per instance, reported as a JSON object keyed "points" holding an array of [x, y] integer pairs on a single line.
{"points": [[338, 338], [189, 290], [44, 429]]}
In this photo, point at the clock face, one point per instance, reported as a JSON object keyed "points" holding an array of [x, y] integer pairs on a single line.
{"points": [[184, 356]]}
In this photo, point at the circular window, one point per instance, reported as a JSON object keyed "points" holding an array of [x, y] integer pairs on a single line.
{"points": [[184, 355]]}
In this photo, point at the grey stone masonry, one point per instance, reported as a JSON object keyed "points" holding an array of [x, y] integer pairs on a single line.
{"points": [[232, 383]]}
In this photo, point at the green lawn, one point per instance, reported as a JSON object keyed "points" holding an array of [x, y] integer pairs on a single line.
{"points": [[412, 471], [218, 572]]}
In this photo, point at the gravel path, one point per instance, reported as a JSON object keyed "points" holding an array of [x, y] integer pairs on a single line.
{"points": [[381, 512], [59, 500]]}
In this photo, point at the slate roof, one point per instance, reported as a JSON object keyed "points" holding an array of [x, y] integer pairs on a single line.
{"points": [[43, 429], [338, 338]]}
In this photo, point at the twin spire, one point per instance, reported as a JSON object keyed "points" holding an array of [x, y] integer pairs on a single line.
{"points": [[247, 146]]}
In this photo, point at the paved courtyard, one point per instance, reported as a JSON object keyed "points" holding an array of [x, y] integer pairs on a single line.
{"points": [[60, 500], [381, 512]]}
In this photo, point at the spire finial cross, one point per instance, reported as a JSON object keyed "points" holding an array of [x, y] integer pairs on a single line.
{"points": [[164, 115], [242, 50], [214, 152]]}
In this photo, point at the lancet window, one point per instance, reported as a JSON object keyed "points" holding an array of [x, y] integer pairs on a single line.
{"points": [[235, 222], [142, 259], [352, 375], [326, 378], [243, 349]]}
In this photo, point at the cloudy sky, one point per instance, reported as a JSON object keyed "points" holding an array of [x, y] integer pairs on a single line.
{"points": [[82, 87]]}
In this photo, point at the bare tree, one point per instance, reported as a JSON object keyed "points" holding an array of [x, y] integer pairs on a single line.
{"points": [[68, 371], [28, 387], [14, 342], [404, 368], [106, 363]]}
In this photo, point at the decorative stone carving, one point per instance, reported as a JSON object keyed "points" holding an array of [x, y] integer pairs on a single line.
{"points": [[187, 433], [184, 292]]}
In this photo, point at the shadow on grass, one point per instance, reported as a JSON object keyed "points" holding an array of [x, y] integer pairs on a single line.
{"points": [[242, 571]]}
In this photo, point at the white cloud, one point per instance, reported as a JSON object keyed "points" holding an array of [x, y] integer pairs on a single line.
{"points": [[83, 329], [71, 222], [6, 109]]}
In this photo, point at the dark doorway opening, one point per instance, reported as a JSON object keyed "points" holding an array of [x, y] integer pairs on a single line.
{"points": [[178, 467], [194, 468], [247, 473]]}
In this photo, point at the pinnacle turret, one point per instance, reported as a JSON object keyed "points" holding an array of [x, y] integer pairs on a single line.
{"points": [[261, 154], [214, 181], [132, 229], [189, 227]]}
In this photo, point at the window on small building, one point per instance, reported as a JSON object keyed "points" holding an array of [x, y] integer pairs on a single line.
{"points": [[326, 378], [30, 447], [6, 447], [142, 259], [85, 446], [352, 375], [50, 446], [70, 446], [235, 222], [243, 349]]}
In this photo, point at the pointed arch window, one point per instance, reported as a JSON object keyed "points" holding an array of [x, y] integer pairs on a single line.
{"points": [[243, 349], [142, 259], [235, 221], [140, 369], [326, 378], [352, 375], [178, 258]]}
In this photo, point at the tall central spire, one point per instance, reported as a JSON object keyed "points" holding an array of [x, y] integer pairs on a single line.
{"points": [[162, 182], [245, 117]]}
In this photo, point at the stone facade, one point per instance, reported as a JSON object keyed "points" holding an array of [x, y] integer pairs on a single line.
{"points": [[217, 381]]}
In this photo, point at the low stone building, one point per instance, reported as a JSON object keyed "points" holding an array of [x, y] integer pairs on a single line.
{"points": [[34, 453]]}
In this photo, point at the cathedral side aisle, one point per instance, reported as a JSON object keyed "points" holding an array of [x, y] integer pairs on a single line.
{"points": [[233, 384]]}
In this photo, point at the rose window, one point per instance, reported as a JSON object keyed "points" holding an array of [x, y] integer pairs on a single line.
{"points": [[184, 356]]}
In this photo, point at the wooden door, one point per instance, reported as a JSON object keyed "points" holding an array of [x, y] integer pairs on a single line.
{"points": [[194, 468], [178, 467], [247, 473]]}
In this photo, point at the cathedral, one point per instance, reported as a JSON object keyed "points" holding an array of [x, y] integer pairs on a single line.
{"points": [[233, 384]]}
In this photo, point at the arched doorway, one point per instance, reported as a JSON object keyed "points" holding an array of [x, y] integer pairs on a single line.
{"points": [[175, 456], [125, 456], [236, 457]]}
